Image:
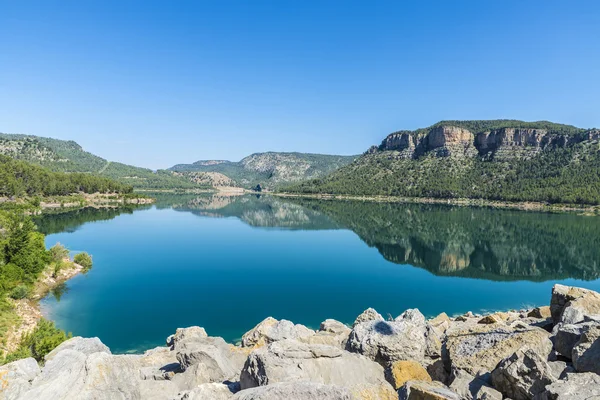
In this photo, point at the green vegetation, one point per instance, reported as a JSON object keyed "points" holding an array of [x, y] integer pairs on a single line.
{"points": [[569, 175], [271, 169], [23, 258], [83, 259], [473, 242], [68, 156], [19, 178], [41, 341]]}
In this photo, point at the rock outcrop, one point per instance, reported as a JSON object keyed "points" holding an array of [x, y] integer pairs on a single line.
{"points": [[471, 357]]}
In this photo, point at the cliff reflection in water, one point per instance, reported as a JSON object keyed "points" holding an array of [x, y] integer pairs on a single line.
{"points": [[449, 241]]}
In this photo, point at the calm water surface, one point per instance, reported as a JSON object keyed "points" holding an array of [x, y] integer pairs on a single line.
{"points": [[227, 263]]}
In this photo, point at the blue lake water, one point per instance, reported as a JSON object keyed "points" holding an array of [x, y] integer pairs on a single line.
{"points": [[227, 263]]}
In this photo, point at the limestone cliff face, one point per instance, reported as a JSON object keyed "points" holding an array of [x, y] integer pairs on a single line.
{"points": [[448, 140]]}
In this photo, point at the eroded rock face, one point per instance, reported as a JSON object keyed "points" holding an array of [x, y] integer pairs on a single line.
{"points": [[293, 361], [370, 314], [419, 390], [585, 301], [584, 386], [331, 332], [212, 391], [565, 336], [523, 375], [388, 341], [16, 377], [400, 372], [479, 349], [271, 330], [83, 345], [586, 353], [296, 391], [469, 387]]}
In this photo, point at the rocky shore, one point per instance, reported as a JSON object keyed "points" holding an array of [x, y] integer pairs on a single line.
{"points": [[550, 352]]}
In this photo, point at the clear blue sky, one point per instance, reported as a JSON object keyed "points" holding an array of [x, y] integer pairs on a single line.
{"points": [[154, 83]]}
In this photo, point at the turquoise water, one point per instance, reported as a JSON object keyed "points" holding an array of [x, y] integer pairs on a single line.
{"points": [[227, 263]]}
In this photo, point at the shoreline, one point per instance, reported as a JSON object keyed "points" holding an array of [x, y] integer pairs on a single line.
{"points": [[461, 202], [522, 354], [29, 310]]}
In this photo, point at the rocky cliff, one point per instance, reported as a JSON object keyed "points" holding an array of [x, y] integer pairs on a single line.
{"points": [[448, 140], [499, 160], [550, 352]]}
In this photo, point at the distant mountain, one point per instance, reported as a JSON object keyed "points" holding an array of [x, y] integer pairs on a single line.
{"points": [[68, 156], [270, 170], [505, 160]]}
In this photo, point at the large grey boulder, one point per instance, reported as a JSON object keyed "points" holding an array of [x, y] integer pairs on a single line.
{"points": [[420, 390], [331, 332], [293, 361], [111, 377], [470, 387], [16, 377], [83, 345], [296, 391], [586, 352], [370, 314], [523, 375], [581, 386], [192, 332], [212, 391], [478, 349], [271, 330], [207, 360], [61, 378], [565, 336], [389, 341], [581, 302]]}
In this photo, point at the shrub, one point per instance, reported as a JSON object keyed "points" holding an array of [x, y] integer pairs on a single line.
{"points": [[58, 252], [41, 341], [20, 292], [83, 259]]}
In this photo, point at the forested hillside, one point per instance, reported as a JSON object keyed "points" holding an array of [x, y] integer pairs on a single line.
{"points": [[271, 169], [495, 160], [19, 178], [68, 156]]}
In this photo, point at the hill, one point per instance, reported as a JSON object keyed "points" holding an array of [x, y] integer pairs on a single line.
{"points": [[270, 169], [68, 156], [19, 178], [505, 160]]}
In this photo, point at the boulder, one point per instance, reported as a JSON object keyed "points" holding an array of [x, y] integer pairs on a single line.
{"points": [[293, 361], [540, 312], [368, 315], [419, 390], [186, 333], [331, 332], [480, 348], [565, 336], [523, 375], [296, 391], [469, 387], [212, 391], [412, 315], [110, 377], [271, 330], [582, 302], [581, 386], [440, 323], [400, 372], [207, 360], [388, 341], [16, 377], [83, 345], [586, 353], [61, 378]]}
